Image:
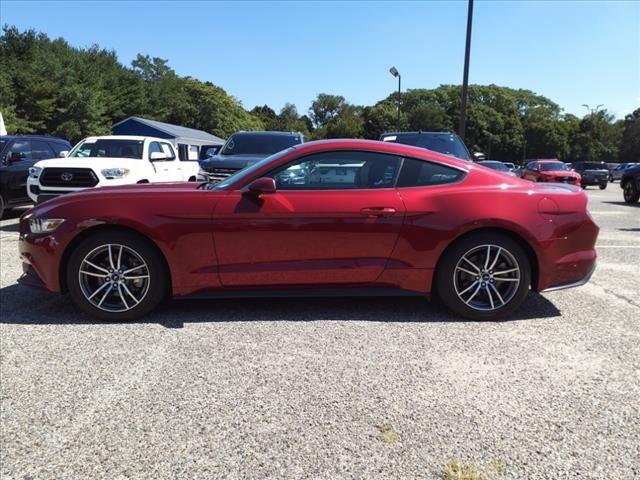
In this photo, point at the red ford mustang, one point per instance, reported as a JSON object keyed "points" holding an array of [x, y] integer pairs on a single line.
{"points": [[341, 217]]}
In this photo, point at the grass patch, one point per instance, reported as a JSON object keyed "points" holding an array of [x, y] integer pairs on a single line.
{"points": [[389, 435], [455, 470], [498, 466]]}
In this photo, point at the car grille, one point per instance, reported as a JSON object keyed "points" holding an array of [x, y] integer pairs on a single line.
{"points": [[565, 179], [68, 177], [216, 175]]}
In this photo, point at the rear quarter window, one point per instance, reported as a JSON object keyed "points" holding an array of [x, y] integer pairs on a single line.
{"points": [[416, 173]]}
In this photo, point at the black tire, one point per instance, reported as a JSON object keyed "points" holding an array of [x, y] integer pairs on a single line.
{"points": [[156, 289], [611, 178], [603, 186], [630, 191], [1, 207], [192, 179], [447, 268]]}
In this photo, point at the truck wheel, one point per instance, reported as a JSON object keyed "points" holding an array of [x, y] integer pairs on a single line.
{"points": [[603, 186], [630, 191], [1, 207]]}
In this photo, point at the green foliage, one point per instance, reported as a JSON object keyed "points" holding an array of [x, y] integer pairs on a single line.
{"points": [[49, 87], [630, 144]]}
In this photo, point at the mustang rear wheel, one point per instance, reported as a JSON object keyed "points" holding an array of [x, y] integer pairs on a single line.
{"points": [[630, 191], [116, 276], [484, 276]]}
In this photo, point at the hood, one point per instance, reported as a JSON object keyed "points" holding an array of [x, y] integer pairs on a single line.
{"points": [[232, 161], [88, 162]]}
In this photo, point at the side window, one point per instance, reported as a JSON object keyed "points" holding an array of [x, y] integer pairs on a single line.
{"points": [[58, 147], [20, 150], [338, 171], [421, 173], [168, 151], [41, 150], [154, 147]]}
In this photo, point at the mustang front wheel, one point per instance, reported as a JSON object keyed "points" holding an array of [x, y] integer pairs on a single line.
{"points": [[116, 276], [484, 276]]}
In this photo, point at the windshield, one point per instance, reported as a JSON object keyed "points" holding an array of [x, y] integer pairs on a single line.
{"points": [[2, 144], [593, 166], [495, 165], [446, 143], [553, 166], [260, 144], [249, 170], [109, 148]]}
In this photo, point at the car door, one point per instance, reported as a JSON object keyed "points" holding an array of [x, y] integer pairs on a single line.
{"points": [[18, 160], [334, 219], [530, 172], [168, 169]]}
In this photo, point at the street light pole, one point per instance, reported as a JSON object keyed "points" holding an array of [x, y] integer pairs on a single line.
{"points": [[395, 73], [465, 79]]}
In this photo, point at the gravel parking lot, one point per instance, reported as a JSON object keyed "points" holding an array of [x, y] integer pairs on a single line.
{"points": [[329, 388]]}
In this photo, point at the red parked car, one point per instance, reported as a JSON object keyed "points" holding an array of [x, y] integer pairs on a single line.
{"points": [[339, 217], [550, 171]]}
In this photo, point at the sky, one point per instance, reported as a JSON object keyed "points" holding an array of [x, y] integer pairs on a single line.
{"points": [[271, 53]]}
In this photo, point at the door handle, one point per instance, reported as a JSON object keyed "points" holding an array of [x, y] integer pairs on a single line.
{"points": [[378, 211]]}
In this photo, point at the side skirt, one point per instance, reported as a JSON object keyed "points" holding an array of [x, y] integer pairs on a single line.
{"points": [[306, 292]]}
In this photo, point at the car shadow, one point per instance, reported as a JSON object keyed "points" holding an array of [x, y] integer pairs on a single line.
{"points": [[624, 204], [9, 227], [25, 306]]}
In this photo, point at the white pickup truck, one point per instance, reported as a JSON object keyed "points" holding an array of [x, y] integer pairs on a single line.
{"points": [[107, 161]]}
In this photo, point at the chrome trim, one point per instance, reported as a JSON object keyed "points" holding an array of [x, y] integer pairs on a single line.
{"points": [[578, 283]]}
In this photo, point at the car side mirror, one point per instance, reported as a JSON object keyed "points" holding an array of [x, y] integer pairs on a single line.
{"points": [[63, 153], [157, 156], [16, 157], [262, 185]]}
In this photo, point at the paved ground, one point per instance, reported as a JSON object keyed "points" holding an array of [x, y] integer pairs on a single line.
{"points": [[348, 388]]}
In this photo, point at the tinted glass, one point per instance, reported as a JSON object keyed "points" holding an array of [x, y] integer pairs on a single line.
{"points": [[109, 148], [420, 173], [339, 171], [552, 166], [20, 150], [446, 143], [41, 150], [247, 144], [249, 171], [590, 166], [2, 144], [495, 166], [58, 147]]}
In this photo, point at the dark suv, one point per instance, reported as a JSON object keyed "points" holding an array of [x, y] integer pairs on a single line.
{"points": [[630, 184], [17, 154], [441, 142], [592, 173], [242, 150]]}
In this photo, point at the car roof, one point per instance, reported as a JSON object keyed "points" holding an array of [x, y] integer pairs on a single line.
{"points": [[419, 132], [392, 148], [38, 137], [127, 137], [272, 133]]}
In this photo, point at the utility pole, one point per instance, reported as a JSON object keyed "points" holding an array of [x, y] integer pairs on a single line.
{"points": [[465, 80]]}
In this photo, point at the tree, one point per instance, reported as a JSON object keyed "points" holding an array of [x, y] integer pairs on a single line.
{"points": [[325, 108], [630, 138]]}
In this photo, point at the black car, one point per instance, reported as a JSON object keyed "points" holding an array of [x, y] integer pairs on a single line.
{"points": [[592, 173], [630, 184], [441, 142], [18, 153], [242, 150]]}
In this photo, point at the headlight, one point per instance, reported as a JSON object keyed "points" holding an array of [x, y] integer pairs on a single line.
{"points": [[44, 225], [34, 172], [111, 173]]}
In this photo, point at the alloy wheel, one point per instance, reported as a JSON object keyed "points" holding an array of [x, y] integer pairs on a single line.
{"points": [[486, 277], [114, 278]]}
